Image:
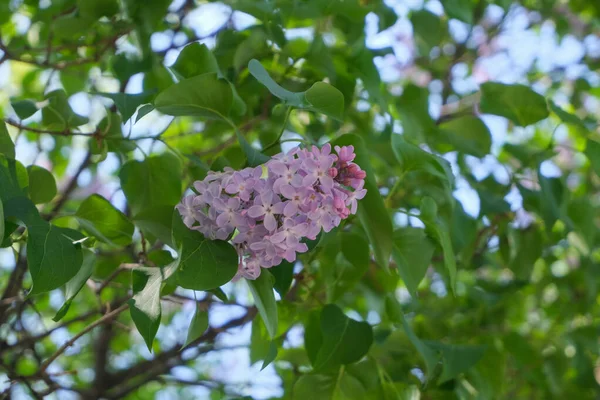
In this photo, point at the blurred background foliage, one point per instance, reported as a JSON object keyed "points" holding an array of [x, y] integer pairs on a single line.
{"points": [[470, 271]]}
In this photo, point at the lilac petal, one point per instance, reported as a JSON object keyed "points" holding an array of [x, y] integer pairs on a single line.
{"points": [[291, 208], [278, 167], [278, 208], [278, 237], [309, 180], [223, 220], [296, 181], [266, 197], [270, 223], [288, 191], [256, 211]]}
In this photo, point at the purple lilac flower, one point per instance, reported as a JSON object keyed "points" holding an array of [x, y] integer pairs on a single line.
{"points": [[266, 216]]}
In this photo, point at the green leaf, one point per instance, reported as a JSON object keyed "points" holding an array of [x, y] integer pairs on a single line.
{"points": [[592, 152], [2, 225], [427, 29], [75, 284], [7, 147], [254, 157], [283, 274], [439, 231], [271, 355], [100, 218], [261, 75], [112, 135], [344, 340], [198, 326], [326, 99], [413, 110], [203, 264], [127, 103], [201, 96], [145, 306], [96, 9], [24, 108], [467, 134], [412, 253], [395, 314], [328, 387], [195, 59], [42, 186], [456, 359], [459, 9], [156, 181], [143, 111], [264, 298], [371, 209], [518, 103], [567, 117], [52, 257], [156, 221], [58, 114], [251, 47]]}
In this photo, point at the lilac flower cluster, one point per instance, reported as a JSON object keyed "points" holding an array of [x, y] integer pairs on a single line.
{"points": [[266, 211]]}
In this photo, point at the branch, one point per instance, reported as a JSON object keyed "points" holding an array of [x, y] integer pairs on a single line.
{"points": [[70, 186], [69, 343]]}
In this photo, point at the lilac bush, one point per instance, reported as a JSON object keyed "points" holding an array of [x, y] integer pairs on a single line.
{"points": [[266, 211]]}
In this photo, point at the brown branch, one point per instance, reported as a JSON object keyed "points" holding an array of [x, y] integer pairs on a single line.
{"points": [[69, 343], [70, 186]]}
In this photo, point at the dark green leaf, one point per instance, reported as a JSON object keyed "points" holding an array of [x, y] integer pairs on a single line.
{"points": [[52, 257], [75, 284], [58, 114], [156, 181], [283, 274], [127, 103], [261, 74], [412, 253], [264, 298], [100, 218], [467, 134], [395, 314], [2, 226], [342, 386], [7, 147], [201, 96], [413, 109], [156, 221], [437, 228], [143, 111], [344, 340], [95, 9], [24, 108], [195, 59], [567, 117], [459, 9], [203, 264], [427, 28], [254, 157], [456, 359], [42, 186], [371, 209], [518, 103], [592, 152]]}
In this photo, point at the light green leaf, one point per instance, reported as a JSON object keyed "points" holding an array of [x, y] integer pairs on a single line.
{"points": [[437, 229], [42, 185], [156, 181], [7, 147], [371, 209], [112, 135], [326, 99], [143, 111], [203, 264], [100, 218], [264, 298], [201, 96], [395, 314], [24, 108], [412, 253], [127, 103], [145, 306], [343, 340], [156, 221], [75, 284], [592, 152], [413, 110], [413, 158], [518, 103], [467, 134], [198, 326], [567, 117]]}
